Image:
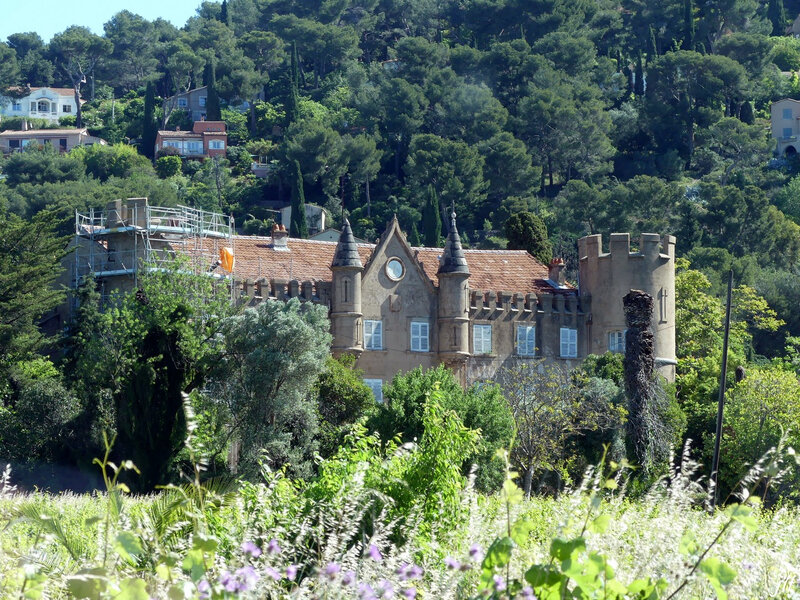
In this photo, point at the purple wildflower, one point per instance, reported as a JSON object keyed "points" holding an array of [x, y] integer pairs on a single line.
{"points": [[272, 573], [414, 572], [247, 577], [452, 563], [251, 549], [203, 589], [375, 553], [385, 589], [402, 571], [291, 572], [527, 593], [273, 547], [410, 593], [228, 581], [365, 592], [348, 578], [475, 553], [332, 570], [499, 583]]}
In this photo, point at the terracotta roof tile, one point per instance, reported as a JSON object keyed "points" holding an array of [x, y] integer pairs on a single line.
{"points": [[310, 260], [42, 132], [180, 134]]}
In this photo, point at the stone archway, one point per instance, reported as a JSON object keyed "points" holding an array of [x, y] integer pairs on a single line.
{"points": [[790, 152]]}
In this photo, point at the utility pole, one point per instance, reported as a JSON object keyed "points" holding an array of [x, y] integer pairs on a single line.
{"points": [[721, 398]]}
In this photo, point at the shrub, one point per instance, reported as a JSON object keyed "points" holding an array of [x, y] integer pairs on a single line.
{"points": [[168, 166]]}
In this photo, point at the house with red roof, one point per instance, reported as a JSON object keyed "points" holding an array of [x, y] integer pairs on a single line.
{"points": [[206, 139]]}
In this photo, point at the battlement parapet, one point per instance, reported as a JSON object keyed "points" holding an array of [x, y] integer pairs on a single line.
{"points": [[253, 292], [491, 302], [651, 245]]}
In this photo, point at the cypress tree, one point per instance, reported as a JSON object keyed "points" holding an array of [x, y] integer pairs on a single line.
{"points": [[149, 126], [297, 225], [638, 84], [746, 113], [652, 50], [432, 220], [213, 112], [777, 16], [688, 25], [293, 102], [413, 237], [223, 13]]}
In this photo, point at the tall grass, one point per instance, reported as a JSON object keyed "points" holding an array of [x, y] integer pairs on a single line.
{"points": [[265, 541]]}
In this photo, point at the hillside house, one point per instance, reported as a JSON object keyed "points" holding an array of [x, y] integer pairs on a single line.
{"points": [[192, 102], [785, 126], [39, 103], [62, 139], [207, 139]]}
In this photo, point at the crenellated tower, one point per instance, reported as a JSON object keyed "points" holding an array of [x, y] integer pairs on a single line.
{"points": [[606, 277], [346, 315], [453, 313]]}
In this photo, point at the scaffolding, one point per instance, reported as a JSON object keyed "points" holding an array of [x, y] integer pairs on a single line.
{"points": [[115, 243]]}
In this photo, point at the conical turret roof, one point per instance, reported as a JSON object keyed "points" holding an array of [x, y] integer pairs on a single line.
{"points": [[453, 259], [346, 250]]}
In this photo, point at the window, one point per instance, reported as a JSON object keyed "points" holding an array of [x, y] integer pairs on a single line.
{"points": [[202, 100], [16, 105], [419, 336], [66, 108], [787, 113], [182, 103], [44, 106], [373, 335], [216, 145], [569, 342], [376, 385], [482, 339], [33, 106], [194, 147], [616, 341], [395, 269], [173, 144], [62, 143], [526, 340], [787, 132], [13, 143]]}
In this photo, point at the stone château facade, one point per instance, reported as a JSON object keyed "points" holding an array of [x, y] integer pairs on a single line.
{"points": [[396, 307]]}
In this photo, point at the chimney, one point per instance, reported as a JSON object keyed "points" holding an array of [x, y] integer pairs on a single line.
{"points": [[280, 238], [556, 271]]}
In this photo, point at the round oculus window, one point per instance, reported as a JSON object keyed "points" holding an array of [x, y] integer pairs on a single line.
{"points": [[395, 269]]}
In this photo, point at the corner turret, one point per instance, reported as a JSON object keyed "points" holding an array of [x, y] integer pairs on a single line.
{"points": [[453, 275], [605, 278], [346, 312]]}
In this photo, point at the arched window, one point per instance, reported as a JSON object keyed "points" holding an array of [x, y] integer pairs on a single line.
{"points": [[43, 106]]}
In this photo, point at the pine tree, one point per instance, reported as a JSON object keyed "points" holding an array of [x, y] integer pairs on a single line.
{"points": [[213, 112], [223, 13], [297, 226], [149, 125], [777, 16], [432, 220], [638, 84], [688, 25]]}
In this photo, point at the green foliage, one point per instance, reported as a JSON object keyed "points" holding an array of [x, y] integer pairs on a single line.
{"points": [[342, 399], [526, 231], [168, 166], [432, 220], [119, 160], [273, 354], [41, 164], [480, 408], [298, 225]]}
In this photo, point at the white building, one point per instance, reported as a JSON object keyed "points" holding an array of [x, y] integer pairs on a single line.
{"points": [[41, 103]]}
